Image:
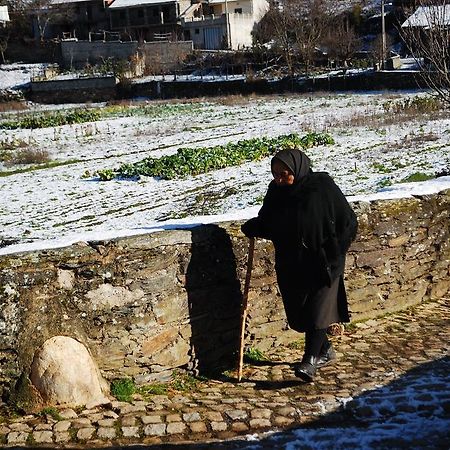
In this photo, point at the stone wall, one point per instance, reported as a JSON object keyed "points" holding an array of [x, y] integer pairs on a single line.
{"points": [[86, 89], [147, 304]]}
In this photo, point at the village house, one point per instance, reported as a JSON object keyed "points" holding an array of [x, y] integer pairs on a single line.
{"points": [[223, 24], [148, 20], [210, 24], [429, 17], [70, 19]]}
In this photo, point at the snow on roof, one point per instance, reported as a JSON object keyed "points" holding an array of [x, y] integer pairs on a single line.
{"points": [[429, 16], [4, 16], [133, 3]]}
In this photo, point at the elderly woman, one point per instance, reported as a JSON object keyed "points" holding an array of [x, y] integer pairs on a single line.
{"points": [[311, 225]]}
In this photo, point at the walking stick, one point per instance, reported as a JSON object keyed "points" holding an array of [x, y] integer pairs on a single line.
{"points": [[251, 248]]}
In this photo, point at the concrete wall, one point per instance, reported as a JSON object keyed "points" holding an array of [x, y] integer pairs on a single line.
{"points": [[145, 305], [79, 53]]}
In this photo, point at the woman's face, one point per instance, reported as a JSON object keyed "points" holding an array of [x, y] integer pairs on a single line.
{"points": [[282, 175]]}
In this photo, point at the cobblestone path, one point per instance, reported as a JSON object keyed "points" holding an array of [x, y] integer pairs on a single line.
{"points": [[389, 389]]}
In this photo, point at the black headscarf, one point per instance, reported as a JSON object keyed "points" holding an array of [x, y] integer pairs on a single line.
{"points": [[296, 161]]}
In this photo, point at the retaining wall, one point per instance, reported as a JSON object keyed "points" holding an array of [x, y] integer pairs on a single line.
{"points": [[77, 90], [145, 305]]}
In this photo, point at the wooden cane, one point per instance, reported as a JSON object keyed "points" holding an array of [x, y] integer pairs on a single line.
{"points": [[251, 248]]}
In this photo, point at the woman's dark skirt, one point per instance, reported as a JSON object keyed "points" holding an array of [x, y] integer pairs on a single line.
{"points": [[317, 308]]}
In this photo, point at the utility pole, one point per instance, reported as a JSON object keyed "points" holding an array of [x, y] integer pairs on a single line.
{"points": [[227, 25]]}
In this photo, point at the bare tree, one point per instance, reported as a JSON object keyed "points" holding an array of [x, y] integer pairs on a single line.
{"points": [[379, 50], [427, 36], [46, 12], [341, 41], [276, 28], [312, 21], [295, 28]]}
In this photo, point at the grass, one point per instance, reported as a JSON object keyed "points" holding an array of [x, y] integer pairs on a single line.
{"points": [[123, 389], [417, 176], [184, 382], [52, 412], [254, 355], [152, 389], [296, 345], [48, 165]]}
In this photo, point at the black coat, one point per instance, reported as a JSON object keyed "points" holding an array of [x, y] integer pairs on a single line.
{"points": [[311, 226]]}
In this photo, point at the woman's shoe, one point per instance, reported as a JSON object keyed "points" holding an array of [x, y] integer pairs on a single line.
{"points": [[326, 356], [307, 368]]}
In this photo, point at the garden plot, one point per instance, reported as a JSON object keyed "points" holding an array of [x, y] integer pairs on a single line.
{"points": [[379, 140]]}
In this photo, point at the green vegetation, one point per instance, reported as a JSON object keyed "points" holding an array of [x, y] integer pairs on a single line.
{"points": [[417, 176], [184, 382], [414, 105], [254, 355], [123, 389], [381, 168], [296, 345], [78, 116], [152, 389], [194, 161], [48, 165], [52, 412], [52, 119]]}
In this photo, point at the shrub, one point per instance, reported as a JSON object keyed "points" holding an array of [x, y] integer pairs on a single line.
{"points": [[12, 106], [29, 156], [8, 146], [414, 105]]}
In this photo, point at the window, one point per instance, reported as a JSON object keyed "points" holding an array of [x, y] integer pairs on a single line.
{"points": [[197, 31], [238, 10]]}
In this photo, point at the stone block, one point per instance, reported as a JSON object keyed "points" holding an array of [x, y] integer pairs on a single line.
{"points": [[198, 427], [176, 428], [129, 432], [440, 288], [85, 434], [43, 437], [106, 433], [377, 258], [155, 429], [17, 437]]}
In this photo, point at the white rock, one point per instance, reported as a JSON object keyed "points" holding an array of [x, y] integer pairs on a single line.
{"points": [[64, 373]]}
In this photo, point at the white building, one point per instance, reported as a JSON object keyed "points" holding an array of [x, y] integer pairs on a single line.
{"points": [[223, 24], [4, 16]]}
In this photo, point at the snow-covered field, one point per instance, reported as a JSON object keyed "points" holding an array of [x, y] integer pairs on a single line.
{"points": [[57, 205]]}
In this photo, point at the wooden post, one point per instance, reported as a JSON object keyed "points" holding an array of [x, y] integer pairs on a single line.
{"points": [[251, 248]]}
